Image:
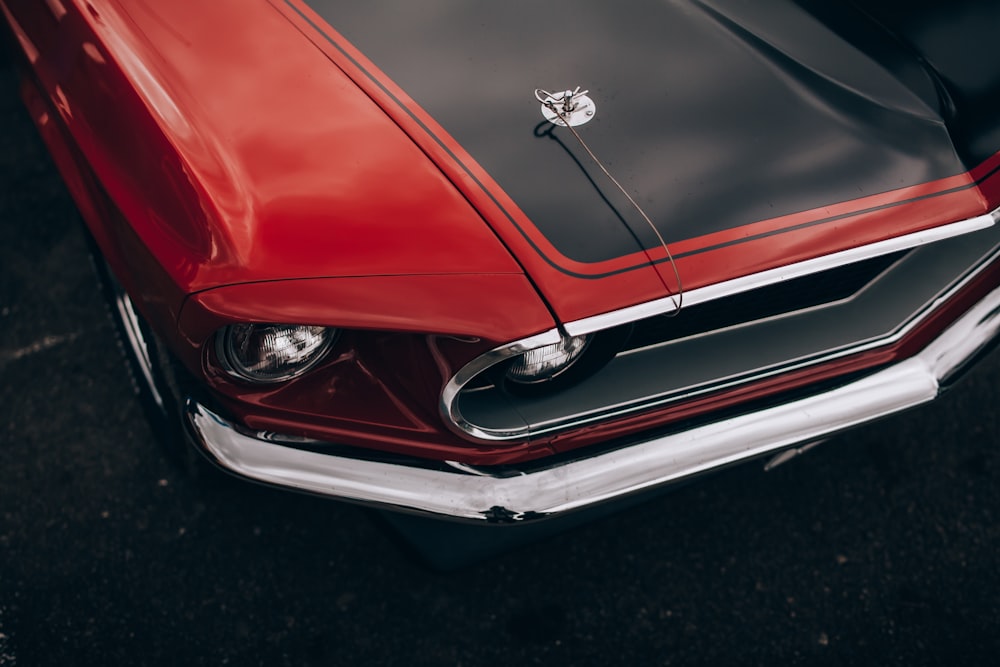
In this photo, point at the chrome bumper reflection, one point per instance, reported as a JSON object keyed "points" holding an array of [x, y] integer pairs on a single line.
{"points": [[471, 494]]}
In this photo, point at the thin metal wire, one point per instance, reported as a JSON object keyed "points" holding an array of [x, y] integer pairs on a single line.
{"points": [[549, 100]]}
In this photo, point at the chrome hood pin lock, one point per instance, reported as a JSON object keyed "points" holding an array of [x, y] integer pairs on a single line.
{"points": [[571, 107]]}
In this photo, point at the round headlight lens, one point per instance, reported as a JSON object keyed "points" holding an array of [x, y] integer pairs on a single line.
{"points": [[544, 363], [272, 352]]}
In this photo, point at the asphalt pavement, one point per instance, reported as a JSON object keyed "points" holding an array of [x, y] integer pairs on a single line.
{"points": [[876, 548]]}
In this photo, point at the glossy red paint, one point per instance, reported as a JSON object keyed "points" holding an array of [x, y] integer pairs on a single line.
{"points": [[166, 232], [423, 438], [375, 391], [232, 201], [396, 412], [443, 304], [986, 176], [336, 190], [339, 218], [402, 371]]}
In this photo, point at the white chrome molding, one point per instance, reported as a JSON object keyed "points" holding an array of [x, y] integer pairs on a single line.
{"points": [[449, 405], [780, 274], [478, 496]]}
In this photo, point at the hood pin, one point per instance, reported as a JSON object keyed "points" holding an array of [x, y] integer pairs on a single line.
{"points": [[568, 106]]}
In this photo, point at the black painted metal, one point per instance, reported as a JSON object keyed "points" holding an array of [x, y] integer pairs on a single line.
{"points": [[781, 298], [712, 114]]}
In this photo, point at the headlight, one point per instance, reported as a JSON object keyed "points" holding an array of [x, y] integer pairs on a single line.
{"points": [[267, 353], [544, 363]]}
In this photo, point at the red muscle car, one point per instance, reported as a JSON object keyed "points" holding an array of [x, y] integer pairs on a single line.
{"points": [[497, 261]]}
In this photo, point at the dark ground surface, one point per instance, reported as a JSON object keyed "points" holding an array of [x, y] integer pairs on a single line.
{"points": [[877, 548]]}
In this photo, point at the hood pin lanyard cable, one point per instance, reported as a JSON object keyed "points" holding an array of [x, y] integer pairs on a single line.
{"points": [[563, 106]]}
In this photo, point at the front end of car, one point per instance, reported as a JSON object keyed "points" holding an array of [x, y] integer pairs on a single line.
{"points": [[747, 375], [383, 289]]}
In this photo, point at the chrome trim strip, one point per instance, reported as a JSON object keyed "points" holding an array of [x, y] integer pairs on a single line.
{"points": [[577, 484], [780, 274], [136, 340], [452, 414]]}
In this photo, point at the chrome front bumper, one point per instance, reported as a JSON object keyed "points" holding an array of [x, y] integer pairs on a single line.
{"points": [[466, 493]]}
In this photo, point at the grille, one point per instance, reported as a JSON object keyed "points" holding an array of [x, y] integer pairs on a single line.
{"points": [[735, 341], [789, 296]]}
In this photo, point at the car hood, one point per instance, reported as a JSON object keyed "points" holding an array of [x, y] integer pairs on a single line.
{"points": [[752, 135], [306, 139]]}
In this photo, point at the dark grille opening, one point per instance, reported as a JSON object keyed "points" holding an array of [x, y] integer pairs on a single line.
{"points": [[785, 297]]}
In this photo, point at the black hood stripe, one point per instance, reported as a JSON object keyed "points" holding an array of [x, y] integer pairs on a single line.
{"points": [[530, 231]]}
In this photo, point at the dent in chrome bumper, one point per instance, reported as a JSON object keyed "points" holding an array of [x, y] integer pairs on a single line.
{"points": [[472, 494]]}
